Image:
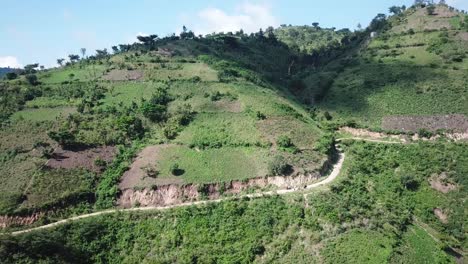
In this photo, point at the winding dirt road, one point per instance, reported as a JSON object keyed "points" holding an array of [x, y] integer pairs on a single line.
{"points": [[330, 178]]}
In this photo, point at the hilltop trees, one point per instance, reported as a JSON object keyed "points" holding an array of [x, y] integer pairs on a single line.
{"points": [[430, 10], [115, 49], [60, 62], [186, 34], [74, 58], [101, 54], [396, 10], [83, 52], [148, 40]]}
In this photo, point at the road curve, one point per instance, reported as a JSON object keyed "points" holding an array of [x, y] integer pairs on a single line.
{"points": [[334, 173]]}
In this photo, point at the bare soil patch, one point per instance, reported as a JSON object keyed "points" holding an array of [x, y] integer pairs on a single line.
{"points": [[359, 132], [463, 36], [441, 183], [143, 171], [441, 215], [69, 159], [123, 75], [443, 11], [229, 106], [8, 221], [164, 52], [456, 123]]}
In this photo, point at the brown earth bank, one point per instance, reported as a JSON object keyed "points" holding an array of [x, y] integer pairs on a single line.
{"points": [[172, 194], [69, 159], [456, 123], [9, 221], [175, 194]]}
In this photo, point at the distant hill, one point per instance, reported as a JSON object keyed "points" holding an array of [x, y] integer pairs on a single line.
{"points": [[310, 38], [4, 71]]}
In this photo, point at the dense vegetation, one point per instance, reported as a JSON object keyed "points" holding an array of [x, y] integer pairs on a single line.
{"points": [[371, 215]]}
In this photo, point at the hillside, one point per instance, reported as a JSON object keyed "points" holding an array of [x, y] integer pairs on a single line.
{"points": [[416, 65], [226, 148], [187, 111]]}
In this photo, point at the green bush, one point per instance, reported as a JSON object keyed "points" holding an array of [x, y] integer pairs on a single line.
{"points": [[279, 166]]}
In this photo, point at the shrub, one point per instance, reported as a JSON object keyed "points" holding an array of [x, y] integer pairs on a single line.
{"points": [[284, 142], [409, 182], [32, 79], [176, 170], [279, 166], [325, 143], [424, 133], [11, 76], [63, 137]]}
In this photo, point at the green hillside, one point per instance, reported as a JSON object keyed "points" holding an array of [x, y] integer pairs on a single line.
{"points": [[213, 105], [416, 65], [298, 144]]}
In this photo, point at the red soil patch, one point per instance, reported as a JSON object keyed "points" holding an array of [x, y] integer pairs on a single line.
{"points": [[457, 123], [68, 159], [138, 176], [123, 75]]}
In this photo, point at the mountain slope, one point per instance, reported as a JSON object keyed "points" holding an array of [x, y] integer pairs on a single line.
{"points": [[414, 66]]}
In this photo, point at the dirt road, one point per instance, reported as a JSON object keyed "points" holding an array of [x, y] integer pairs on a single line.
{"points": [[330, 178]]}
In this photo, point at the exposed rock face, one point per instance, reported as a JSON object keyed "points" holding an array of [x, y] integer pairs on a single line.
{"points": [[8, 221]]}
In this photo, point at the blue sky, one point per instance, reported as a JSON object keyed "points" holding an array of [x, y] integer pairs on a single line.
{"points": [[42, 31]]}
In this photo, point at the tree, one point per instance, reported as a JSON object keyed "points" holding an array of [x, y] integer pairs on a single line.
{"points": [[148, 40], [271, 35], [396, 10], [442, 2], [62, 137], [279, 166], [11, 76], [83, 52], [31, 68], [359, 26], [124, 47], [430, 10], [316, 25], [115, 49], [100, 54], [186, 34], [32, 79], [73, 58], [60, 62]]}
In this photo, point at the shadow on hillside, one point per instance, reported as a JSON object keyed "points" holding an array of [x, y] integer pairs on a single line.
{"points": [[352, 88]]}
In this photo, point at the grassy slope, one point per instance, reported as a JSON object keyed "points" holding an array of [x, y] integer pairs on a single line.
{"points": [[231, 121], [401, 73]]}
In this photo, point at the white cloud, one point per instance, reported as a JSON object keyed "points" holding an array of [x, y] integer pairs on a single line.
{"points": [[10, 61], [460, 4], [141, 34], [248, 16]]}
